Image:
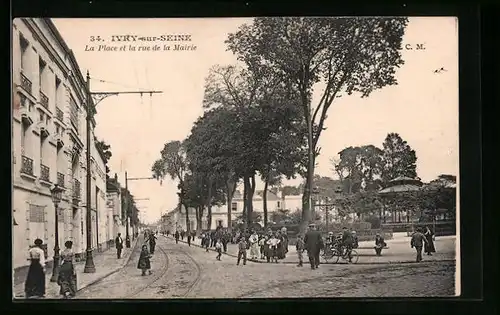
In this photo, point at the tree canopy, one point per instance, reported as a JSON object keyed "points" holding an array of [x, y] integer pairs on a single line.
{"points": [[346, 55]]}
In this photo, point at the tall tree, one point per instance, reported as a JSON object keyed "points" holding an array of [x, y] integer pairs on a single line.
{"points": [[173, 163], [212, 148], [106, 151], [252, 95], [399, 159], [346, 54]]}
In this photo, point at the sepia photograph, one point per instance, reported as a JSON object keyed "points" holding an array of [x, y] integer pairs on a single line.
{"points": [[235, 158]]}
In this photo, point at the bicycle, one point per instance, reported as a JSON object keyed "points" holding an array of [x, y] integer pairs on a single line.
{"points": [[344, 255], [330, 252]]}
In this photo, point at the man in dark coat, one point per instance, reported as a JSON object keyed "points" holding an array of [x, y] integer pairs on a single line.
{"points": [[313, 243], [347, 242], [119, 245], [176, 235], [418, 240]]}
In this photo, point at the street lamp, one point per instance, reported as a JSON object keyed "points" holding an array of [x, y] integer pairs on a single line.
{"points": [[56, 193]]}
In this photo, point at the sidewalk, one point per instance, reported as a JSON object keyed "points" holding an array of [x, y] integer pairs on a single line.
{"points": [[399, 251], [106, 264]]}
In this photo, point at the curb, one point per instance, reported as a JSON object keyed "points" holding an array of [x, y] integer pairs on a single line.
{"points": [[111, 272], [332, 263]]}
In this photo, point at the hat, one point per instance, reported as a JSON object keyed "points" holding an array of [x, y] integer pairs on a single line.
{"points": [[312, 225], [353, 232], [38, 242], [378, 233]]}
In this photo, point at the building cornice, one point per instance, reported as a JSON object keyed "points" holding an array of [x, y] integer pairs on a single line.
{"points": [[39, 36]]}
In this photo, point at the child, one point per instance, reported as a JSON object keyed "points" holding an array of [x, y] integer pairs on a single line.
{"points": [[144, 260], [300, 249], [273, 248], [262, 242], [218, 248], [242, 250]]}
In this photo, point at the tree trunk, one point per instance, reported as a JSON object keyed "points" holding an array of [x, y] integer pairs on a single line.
{"points": [[188, 228], [250, 193], [230, 189], [209, 205], [264, 200], [199, 216], [245, 202], [306, 212]]}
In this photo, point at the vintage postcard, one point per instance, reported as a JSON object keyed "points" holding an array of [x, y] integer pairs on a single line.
{"points": [[270, 157]]}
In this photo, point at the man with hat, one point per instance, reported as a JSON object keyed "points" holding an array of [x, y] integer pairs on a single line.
{"points": [[313, 243], [379, 244]]}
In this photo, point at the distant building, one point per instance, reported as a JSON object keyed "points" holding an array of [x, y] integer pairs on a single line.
{"points": [[116, 214]]}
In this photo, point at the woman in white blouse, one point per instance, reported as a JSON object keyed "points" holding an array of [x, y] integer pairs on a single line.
{"points": [[35, 282]]}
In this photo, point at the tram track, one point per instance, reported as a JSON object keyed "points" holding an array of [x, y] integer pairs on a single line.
{"points": [[178, 274]]}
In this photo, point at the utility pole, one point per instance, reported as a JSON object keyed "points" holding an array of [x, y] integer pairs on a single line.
{"points": [[127, 236], [92, 100]]}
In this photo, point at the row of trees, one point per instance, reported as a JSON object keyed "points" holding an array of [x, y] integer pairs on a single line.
{"points": [[364, 170], [259, 115]]}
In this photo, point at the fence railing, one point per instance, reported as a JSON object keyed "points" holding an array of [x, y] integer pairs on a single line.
{"points": [[60, 179], [44, 173], [77, 190], [59, 114], [27, 165], [44, 100], [26, 83]]}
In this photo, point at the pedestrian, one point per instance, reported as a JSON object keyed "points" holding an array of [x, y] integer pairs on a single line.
{"points": [[168, 233], [242, 251], [218, 247], [225, 240], [429, 245], [212, 238], [119, 245], [284, 242], [262, 243], [176, 235], [152, 243], [67, 272], [347, 243], [313, 243], [254, 245], [182, 234], [355, 242], [189, 239], [207, 241], [300, 249], [273, 248], [417, 240], [379, 244], [34, 287], [144, 263]]}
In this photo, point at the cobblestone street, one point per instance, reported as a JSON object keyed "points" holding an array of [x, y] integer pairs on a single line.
{"points": [[180, 271]]}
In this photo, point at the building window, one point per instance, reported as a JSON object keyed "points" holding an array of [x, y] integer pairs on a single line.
{"points": [[24, 52], [41, 66], [58, 89], [23, 139], [234, 206], [37, 213]]}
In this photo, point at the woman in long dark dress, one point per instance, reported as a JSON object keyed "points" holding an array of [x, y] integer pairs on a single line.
{"points": [[35, 282], [144, 260], [429, 245], [67, 272]]}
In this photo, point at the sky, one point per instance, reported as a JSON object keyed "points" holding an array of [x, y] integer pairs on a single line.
{"points": [[422, 108]]}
